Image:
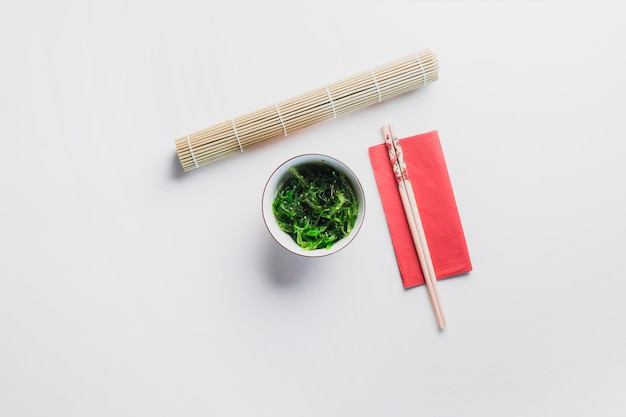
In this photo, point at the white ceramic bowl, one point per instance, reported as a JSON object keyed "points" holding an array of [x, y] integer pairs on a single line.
{"points": [[271, 190]]}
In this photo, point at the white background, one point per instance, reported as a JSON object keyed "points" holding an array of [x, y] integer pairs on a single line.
{"points": [[129, 288]]}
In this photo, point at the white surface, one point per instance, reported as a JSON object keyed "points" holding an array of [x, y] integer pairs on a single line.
{"points": [[130, 289]]}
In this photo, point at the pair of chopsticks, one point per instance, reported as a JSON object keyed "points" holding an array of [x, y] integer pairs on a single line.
{"points": [[413, 217]]}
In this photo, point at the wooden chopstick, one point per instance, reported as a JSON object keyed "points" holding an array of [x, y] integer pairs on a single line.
{"points": [[413, 217]]}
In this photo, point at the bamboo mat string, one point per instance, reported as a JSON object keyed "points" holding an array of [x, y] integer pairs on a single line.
{"points": [[331, 102], [191, 152], [421, 67], [376, 84], [281, 120], [236, 135]]}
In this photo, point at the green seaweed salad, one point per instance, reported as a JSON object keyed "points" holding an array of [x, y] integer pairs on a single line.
{"points": [[316, 205]]}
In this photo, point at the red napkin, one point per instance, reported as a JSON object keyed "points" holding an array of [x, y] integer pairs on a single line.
{"points": [[433, 191]]}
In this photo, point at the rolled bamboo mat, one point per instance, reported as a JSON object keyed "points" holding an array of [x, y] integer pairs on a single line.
{"points": [[328, 102]]}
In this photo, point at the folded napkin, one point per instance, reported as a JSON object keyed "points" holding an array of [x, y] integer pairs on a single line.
{"points": [[433, 192]]}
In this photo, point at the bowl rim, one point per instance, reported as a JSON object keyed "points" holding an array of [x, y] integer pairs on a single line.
{"points": [[268, 214]]}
